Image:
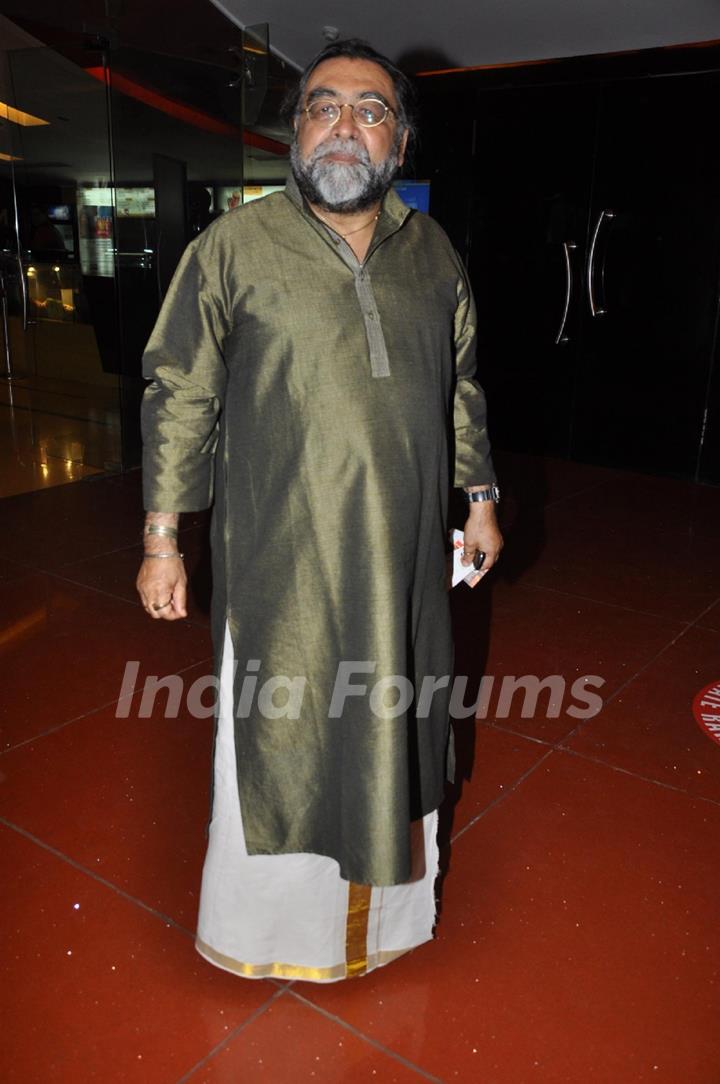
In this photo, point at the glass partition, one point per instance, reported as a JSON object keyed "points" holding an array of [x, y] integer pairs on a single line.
{"points": [[182, 156], [150, 122], [61, 377]]}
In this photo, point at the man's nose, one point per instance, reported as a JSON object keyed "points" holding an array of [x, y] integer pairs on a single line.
{"points": [[346, 126]]}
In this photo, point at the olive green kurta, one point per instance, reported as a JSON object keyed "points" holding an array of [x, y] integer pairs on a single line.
{"points": [[311, 398]]}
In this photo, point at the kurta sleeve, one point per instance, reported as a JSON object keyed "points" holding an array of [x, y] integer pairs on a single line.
{"points": [[473, 462], [180, 409]]}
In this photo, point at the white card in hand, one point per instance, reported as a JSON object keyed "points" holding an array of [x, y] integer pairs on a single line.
{"points": [[462, 573]]}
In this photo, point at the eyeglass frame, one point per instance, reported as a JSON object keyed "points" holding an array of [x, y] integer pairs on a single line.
{"points": [[352, 106]]}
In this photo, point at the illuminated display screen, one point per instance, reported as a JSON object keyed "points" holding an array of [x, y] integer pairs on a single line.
{"points": [[415, 194], [60, 213]]}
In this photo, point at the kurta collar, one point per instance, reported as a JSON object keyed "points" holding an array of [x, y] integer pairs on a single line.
{"points": [[392, 216]]}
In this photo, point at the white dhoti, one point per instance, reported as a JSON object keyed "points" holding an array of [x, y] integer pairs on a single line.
{"points": [[292, 916]]}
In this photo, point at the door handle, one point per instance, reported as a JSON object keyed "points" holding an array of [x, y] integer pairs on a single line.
{"points": [[595, 308], [561, 337], [5, 326], [24, 293], [21, 272]]}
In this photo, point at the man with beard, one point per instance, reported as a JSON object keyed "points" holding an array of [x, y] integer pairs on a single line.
{"points": [[312, 378]]}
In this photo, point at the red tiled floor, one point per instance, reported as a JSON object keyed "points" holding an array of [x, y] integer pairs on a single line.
{"points": [[578, 938], [65, 648], [10, 570], [97, 515], [578, 941], [681, 509], [532, 481], [649, 727], [644, 556], [130, 801], [96, 988], [88, 517], [711, 619], [490, 761], [542, 634], [291, 1041]]}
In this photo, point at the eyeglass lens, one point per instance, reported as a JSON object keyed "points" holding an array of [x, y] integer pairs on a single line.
{"points": [[368, 112]]}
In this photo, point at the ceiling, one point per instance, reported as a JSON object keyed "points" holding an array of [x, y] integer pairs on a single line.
{"points": [[72, 147], [427, 35], [469, 33]]}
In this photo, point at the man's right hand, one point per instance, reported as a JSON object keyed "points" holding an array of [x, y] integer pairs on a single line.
{"points": [[162, 586], [162, 582]]}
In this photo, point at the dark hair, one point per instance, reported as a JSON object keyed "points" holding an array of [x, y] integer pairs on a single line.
{"points": [[356, 49]]}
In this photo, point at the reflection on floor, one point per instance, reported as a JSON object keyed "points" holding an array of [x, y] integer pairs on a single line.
{"points": [[53, 432], [578, 937]]}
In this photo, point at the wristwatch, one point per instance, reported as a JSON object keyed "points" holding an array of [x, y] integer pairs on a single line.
{"points": [[491, 494]]}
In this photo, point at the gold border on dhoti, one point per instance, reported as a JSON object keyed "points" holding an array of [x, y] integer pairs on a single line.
{"points": [[292, 971], [356, 960]]}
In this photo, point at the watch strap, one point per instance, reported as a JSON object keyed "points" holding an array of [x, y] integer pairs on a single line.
{"points": [[491, 494]]}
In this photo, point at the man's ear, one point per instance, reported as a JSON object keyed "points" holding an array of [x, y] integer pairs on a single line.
{"points": [[403, 145]]}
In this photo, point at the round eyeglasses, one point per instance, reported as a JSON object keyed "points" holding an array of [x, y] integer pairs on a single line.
{"points": [[368, 112]]}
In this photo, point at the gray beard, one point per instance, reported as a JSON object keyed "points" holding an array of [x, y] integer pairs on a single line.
{"points": [[338, 186]]}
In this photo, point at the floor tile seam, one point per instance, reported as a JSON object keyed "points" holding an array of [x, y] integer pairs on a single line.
{"points": [[699, 618], [58, 572], [58, 414], [495, 725], [231, 1036], [581, 755], [15, 562], [27, 568], [59, 726], [130, 546], [282, 984], [105, 553], [620, 687], [502, 797], [100, 707], [628, 681], [61, 573], [576, 493], [422, 1073], [560, 746], [621, 476], [167, 920], [604, 602], [594, 760]]}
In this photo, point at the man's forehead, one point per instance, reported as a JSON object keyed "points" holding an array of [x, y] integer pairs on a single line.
{"points": [[347, 76]]}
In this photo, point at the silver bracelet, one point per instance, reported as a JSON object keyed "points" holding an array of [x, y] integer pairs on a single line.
{"points": [[180, 555], [157, 528]]}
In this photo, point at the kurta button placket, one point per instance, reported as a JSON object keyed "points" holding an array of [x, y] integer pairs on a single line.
{"points": [[377, 348], [379, 360]]}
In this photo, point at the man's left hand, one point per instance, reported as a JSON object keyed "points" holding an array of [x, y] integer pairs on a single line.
{"points": [[482, 534]]}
